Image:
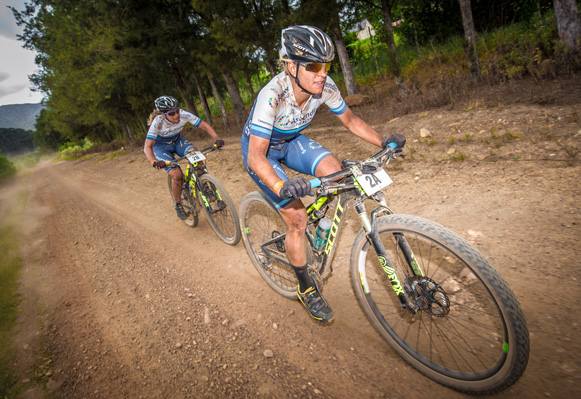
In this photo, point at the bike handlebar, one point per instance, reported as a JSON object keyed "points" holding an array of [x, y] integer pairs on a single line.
{"points": [[387, 152], [206, 150]]}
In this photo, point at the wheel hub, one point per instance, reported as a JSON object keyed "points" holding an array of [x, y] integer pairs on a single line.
{"points": [[429, 296]]}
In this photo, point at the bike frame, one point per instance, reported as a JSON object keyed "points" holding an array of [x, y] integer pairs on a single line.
{"points": [[191, 177], [324, 256]]}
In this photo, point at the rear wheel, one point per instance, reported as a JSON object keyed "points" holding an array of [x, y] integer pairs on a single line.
{"points": [[261, 223], [219, 209], [187, 201], [468, 332]]}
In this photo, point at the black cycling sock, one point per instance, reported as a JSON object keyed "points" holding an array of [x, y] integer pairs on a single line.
{"points": [[303, 277]]}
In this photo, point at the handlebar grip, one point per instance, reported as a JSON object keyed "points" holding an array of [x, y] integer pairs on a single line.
{"points": [[314, 184]]}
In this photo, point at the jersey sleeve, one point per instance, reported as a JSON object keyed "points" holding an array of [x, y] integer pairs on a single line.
{"points": [[332, 97], [154, 128], [191, 118], [264, 113]]}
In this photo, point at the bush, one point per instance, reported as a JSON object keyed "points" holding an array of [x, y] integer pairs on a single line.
{"points": [[7, 168]]}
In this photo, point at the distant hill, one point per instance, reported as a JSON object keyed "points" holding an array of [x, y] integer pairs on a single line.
{"points": [[19, 116]]}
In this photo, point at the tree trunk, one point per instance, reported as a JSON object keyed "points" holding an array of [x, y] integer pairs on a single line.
{"points": [[249, 83], [126, 128], [343, 57], [416, 35], [190, 107], [285, 7], [569, 25], [395, 65], [373, 50], [271, 67], [203, 100], [235, 99], [470, 35], [220, 102], [182, 87]]}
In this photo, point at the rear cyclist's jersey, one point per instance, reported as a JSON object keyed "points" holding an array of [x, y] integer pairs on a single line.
{"points": [[165, 132], [276, 115]]}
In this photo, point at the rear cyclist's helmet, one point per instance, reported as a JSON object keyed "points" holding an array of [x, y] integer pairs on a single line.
{"points": [[166, 103], [303, 43]]}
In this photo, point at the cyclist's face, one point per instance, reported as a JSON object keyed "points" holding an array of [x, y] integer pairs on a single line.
{"points": [[313, 82], [173, 115]]}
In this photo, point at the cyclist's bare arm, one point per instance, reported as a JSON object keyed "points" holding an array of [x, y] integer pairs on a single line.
{"points": [[360, 128], [148, 150], [257, 148], [210, 130]]}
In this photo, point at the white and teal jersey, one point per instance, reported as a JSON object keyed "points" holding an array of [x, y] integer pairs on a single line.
{"points": [[276, 115], [162, 130]]}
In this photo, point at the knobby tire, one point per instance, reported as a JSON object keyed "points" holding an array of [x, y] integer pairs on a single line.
{"points": [[473, 337], [222, 213]]}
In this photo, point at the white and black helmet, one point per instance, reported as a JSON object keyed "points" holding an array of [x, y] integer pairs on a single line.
{"points": [[166, 103], [304, 43]]}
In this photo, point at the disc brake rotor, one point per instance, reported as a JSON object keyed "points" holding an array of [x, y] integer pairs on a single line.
{"points": [[429, 296]]}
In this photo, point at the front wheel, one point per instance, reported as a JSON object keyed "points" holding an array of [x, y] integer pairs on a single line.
{"points": [[468, 331], [219, 209], [188, 202]]}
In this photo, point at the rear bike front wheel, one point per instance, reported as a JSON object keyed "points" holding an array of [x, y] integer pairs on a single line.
{"points": [[219, 209], [468, 332], [188, 202]]}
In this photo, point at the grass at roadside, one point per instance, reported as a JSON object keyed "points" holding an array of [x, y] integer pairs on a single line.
{"points": [[10, 266]]}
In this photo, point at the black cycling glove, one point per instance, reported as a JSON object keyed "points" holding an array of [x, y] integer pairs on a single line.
{"points": [[396, 138], [219, 143], [297, 187], [159, 164]]}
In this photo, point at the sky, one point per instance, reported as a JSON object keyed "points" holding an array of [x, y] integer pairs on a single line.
{"points": [[16, 63]]}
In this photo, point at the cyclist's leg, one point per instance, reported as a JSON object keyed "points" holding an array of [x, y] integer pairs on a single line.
{"points": [[292, 211], [177, 178], [304, 156], [309, 157], [165, 152], [295, 217], [182, 146]]}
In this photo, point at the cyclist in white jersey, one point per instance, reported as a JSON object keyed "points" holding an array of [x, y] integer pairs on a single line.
{"points": [[273, 136], [164, 140]]}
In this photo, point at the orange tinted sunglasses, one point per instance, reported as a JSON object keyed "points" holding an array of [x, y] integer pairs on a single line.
{"points": [[316, 66]]}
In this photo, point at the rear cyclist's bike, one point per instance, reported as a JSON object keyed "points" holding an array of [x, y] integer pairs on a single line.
{"points": [[213, 198], [430, 294]]}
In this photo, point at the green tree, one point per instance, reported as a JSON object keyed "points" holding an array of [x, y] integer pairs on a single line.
{"points": [[7, 168], [325, 15]]}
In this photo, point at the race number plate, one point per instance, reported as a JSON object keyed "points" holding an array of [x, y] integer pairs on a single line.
{"points": [[372, 182], [195, 156]]}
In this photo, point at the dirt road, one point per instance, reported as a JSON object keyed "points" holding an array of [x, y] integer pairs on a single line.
{"points": [[122, 300]]}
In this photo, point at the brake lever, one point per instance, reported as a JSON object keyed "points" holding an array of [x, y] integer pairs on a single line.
{"points": [[371, 166]]}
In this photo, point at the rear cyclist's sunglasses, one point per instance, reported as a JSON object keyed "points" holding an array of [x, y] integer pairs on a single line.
{"points": [[172, 113], [316, 66]]}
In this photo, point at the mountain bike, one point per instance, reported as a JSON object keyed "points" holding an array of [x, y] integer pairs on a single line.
{"points": [[431, 295], [213, 198]]}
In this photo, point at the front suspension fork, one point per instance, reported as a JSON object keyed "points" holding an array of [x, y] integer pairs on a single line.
{"points": [[386, 264]]}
